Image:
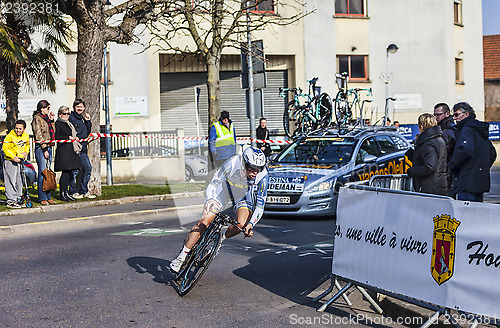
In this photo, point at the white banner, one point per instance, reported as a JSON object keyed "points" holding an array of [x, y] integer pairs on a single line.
{"points": [[441, 251]]}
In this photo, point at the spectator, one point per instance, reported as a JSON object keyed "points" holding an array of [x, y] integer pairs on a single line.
{"points": [[396, 124], [15, 148], [447, 124], [67, 159], [43, 130], [473, 155], [429, 158], [222, 140], [81, 121], [263, 134]]}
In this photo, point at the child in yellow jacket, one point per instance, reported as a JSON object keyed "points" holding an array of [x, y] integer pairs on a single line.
{"points": [[15, 148]]}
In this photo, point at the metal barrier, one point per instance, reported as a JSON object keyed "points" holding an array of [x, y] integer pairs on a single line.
{"points": [[398, 184], [392, 181], [143, 144]]}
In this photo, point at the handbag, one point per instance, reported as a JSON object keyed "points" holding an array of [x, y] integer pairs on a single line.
{"points": [[49, 179]]}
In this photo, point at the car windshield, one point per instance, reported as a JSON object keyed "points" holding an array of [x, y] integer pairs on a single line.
{"points": [[332, 151]]}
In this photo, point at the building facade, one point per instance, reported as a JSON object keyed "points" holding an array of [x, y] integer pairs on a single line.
{"points": [[439, 59]]}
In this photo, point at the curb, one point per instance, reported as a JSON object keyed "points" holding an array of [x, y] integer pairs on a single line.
{"points": [[50, 227], [78, 205]]}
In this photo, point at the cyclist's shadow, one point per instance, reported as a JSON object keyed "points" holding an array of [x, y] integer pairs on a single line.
{"points": [[158, 268]]}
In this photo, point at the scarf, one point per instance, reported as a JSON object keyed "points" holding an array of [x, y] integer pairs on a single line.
{"points": [[77, 146], [51, 127]]}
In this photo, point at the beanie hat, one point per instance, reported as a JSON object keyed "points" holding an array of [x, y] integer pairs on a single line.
{"points": [[224, 114]]}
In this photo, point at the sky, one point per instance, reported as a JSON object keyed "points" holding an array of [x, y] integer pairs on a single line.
{"points": [[491, 21]]}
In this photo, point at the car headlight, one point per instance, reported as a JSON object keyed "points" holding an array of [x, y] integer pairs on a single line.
{"points": [[326, 185]]}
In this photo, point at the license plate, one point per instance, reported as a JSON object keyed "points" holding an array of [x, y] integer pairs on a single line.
{"points": [[278, 200]]}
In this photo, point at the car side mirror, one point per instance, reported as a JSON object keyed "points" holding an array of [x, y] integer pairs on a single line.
{"points": [[272, 158], [370, 159]]}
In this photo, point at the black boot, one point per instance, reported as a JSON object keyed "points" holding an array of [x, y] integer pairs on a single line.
{"points": [[64, 196]]}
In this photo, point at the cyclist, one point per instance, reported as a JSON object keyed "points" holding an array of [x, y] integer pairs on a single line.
{"points": [[243, 180]]}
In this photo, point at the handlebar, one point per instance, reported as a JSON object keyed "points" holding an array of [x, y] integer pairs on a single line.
{"points": [[228, 220]]}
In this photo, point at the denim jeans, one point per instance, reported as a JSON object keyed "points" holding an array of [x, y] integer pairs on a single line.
{"points": [[82, 176], [41, 163]]}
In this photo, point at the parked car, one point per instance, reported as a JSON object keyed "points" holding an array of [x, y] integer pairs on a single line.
{"points": [[196, 163], [305, 177], [144, 151]]}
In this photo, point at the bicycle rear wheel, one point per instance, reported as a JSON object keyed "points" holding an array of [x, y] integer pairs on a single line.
{"points": [[290, 119], [325, 110], [199, 262], [341, 108]]}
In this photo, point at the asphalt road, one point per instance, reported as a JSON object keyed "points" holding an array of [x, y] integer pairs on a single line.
{"points": [[118, 277], [98, 278]]}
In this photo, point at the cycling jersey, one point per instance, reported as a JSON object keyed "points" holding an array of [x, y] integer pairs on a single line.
{"points": [[230, 183]]}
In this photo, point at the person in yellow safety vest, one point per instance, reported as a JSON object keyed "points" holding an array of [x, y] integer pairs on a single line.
{"points": [[222, 139]]}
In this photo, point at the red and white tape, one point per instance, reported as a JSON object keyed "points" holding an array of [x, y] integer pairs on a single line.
{"points": [[94, 136]]}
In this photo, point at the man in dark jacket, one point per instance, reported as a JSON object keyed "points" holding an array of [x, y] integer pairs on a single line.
{"points": [[473, 155], [262, 133], [429, 158], [447, 124], [81, 121]]}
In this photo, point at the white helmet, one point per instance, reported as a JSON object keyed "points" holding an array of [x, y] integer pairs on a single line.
{"points": [[254, 158]]}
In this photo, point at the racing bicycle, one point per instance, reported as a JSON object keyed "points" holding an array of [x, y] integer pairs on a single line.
{"points": [[202, 254], [347, 101], [307, 114]]}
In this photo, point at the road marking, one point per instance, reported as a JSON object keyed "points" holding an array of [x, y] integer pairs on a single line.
{"points": [[149, 232]]}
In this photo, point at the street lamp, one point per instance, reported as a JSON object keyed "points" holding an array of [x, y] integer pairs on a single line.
{"points": [[109, 169], [392, 48]]}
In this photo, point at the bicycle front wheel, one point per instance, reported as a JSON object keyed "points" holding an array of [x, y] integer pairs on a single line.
{"points": [[290, 119], [199, 263]]}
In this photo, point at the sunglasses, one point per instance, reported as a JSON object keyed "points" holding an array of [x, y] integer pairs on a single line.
{"points": [[252, 170], [457, 114], [64, 113]]}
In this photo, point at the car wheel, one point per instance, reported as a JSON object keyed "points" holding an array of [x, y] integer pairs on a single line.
{"points": [[188, 174]]}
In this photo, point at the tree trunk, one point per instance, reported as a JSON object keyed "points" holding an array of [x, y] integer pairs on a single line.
{"points": [[89, 75], [213, 86], [11, 89]]}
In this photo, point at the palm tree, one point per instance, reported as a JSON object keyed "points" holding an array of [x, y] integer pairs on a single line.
{"points": [[22, 61]]}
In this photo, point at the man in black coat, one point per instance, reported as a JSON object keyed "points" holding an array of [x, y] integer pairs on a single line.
{"points": [[429, 158], [447, 124], [263, 134], [473, 155]]}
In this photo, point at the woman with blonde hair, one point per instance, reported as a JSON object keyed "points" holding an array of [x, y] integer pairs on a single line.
{"points": [[67, 159], [429, 158]]}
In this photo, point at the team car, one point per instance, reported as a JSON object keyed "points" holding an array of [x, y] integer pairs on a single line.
{"points": [[304, 178]]}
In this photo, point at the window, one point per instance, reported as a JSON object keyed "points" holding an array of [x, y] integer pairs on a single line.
{"points": [[400, 142], [368, 147], [263, 6], [457, 10], [459, 71], [355, 66], [387, 145], [349, 8]]}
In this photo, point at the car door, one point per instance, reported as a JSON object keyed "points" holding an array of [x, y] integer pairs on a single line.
{"points": [[391, 160], [362, 169]]}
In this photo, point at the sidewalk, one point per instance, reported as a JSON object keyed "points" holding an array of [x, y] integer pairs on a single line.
{"points": [[80, 215]]}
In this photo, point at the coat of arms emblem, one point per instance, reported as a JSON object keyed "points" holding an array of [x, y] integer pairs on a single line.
{"points": [[443, 247]]}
